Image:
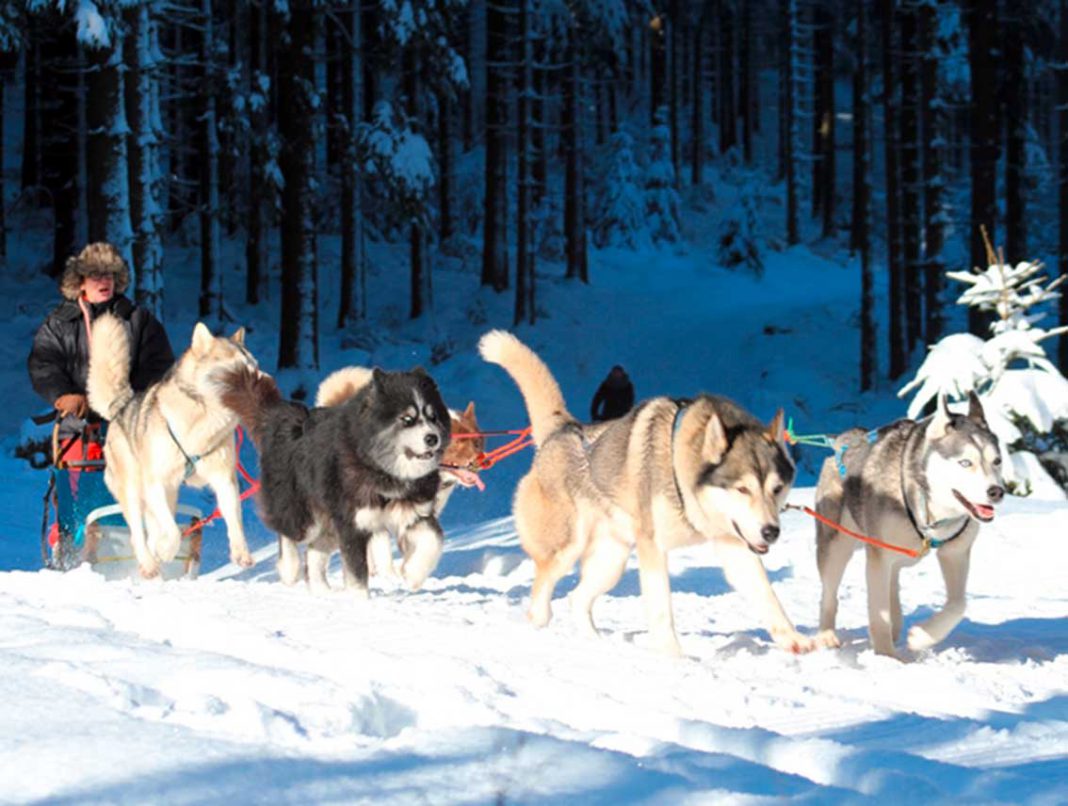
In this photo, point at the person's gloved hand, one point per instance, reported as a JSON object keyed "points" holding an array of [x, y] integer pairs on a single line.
{"points": [[78, 405]]}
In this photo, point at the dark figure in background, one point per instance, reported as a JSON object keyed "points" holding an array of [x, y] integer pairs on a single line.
{"points": [[92, 283], [614, 397]]}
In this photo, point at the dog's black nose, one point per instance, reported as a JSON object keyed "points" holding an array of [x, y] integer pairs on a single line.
{"points": [[431, 440], [770, 533], [995, 493]]}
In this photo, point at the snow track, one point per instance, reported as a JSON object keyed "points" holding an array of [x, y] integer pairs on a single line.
{"points": [[146, 690]]}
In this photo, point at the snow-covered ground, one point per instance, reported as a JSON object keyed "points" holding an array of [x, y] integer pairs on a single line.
{"points": [[234, 688]]}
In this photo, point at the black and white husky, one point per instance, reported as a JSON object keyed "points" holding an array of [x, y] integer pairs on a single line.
{"points": [[334, 476]]}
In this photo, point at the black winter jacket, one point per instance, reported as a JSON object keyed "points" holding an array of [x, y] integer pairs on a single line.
{"points": [[59, 360]]}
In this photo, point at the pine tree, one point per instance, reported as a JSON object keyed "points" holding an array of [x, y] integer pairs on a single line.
{"points": [[210, 235], [1062, 167], [911, 204], [891, 141], [109, 186], [353, 299], [983, 60], [934, 138], [1015, 134], [146, 182], [495, 217], [861, 231], [299, 96], [9, 48]]}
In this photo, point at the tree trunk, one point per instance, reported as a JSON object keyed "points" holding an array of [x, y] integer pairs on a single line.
{"points": [[983, 59], [912, 218], [353, 304], [257, 86], [887, 12], [297, 94], [728, 116], [675, 29], [142, 110], [658, 63], [1062, 179], [745, 70], [1016, 135], [861, 236], [210, 236], [109, 185], [495, 219], [826, 116], [790, 133], [444, 169], [57, 117], [420, 270], [574, 192], [524, 260], [31, 121], [935, 216], [697, 135]]}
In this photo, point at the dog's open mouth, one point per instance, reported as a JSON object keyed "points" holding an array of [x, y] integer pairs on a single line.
{"points": [[981, 512], [423, 457], [755, 549], [463, 476]]}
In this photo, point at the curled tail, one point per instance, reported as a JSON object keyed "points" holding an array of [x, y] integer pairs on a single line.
{"points": [[108, 383], [541, 392], [250, 394], [342, 385]]}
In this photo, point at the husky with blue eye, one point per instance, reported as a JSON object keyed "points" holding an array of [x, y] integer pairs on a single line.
{"points": [[334, 476], [917, 485]]}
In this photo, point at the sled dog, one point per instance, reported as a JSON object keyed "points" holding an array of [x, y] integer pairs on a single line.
{"points": [[917, 485], [459, 463], [334, 476], [175, 431], [668, 474]]}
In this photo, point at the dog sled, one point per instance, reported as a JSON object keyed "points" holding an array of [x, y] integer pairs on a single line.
{"points": [[82, 523]]}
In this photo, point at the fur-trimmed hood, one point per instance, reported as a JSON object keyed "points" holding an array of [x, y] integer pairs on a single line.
{"points": [[96, 258]]}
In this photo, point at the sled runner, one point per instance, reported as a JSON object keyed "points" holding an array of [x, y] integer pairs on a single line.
{"points": [[81, 521]]}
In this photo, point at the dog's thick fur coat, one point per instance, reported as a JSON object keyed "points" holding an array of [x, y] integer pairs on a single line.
{"points": [[667, 474], [176, 431], [908, 484], [334, 476]]}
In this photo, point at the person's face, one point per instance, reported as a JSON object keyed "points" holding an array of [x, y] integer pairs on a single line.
{"points": [[98, 287]]}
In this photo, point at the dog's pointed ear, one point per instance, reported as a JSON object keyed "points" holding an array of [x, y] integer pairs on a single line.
{"points": [[469, 412], [378, 379], [942, 419], [239, 336], [975, 409], [202, 339], [715, 441], [422, 373], [776, 426]]}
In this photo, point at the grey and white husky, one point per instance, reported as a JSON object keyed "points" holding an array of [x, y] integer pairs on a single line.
{"points": [[917, 485]]}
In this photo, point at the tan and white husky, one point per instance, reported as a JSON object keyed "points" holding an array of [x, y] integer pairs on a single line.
{"points": [[174, 432], [668, 474]]}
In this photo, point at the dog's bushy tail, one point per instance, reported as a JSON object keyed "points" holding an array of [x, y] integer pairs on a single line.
{"points": [[108, 383], [250, 394], [541, 392], [342, 385]]}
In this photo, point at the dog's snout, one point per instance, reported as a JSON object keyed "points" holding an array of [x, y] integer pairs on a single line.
{"points": [[995, 493], [431, 440], [770, 533]]}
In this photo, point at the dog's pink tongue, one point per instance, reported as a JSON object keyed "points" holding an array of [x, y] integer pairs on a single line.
{"points": [[468, 478], [985, 511]]}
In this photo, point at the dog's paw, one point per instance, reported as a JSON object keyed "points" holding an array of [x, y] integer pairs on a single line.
{"points": [[538, 617], [666, 646], [919, 639], [166, 546], [828, 639], [793, 641], [149, 570], [241, 557]]}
